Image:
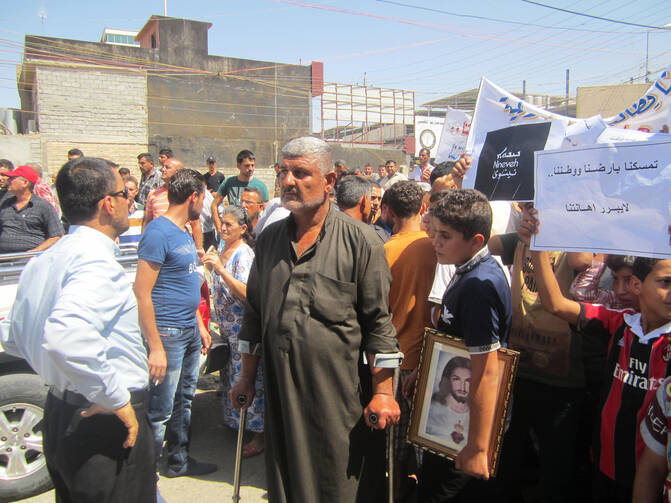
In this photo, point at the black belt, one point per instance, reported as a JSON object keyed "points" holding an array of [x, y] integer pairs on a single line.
{"points": [[138, 398]]}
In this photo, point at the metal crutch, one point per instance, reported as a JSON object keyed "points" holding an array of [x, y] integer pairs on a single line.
{"points": [[242, 400], [390, 445]]}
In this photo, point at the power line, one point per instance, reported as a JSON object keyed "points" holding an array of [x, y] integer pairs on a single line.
{"points": [[593, 17], [618, 35], [484, 18]]}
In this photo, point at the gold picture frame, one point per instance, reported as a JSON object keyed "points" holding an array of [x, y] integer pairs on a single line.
{"points": [[439, 416]]}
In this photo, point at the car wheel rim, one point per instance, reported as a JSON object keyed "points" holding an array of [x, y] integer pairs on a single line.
{"points": [[21, 451]]}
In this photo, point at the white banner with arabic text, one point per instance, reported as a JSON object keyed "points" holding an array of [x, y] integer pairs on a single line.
{"points": [[606, 198], [652, 112]]}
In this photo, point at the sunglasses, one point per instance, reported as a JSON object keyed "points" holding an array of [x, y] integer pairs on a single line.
{"points": [[123, 193]]}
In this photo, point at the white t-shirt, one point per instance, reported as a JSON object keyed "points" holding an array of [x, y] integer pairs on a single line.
{"points": [[417, 172], [444, 273], [387, 182]]}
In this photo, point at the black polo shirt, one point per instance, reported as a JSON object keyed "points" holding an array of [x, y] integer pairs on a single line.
{"points": [[477, 306], [24, 229]]}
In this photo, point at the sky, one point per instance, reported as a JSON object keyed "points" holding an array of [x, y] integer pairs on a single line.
{"points": [[432, 47]]}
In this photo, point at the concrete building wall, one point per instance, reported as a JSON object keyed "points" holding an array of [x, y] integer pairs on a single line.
{"points": [[55, 153], [21, 149], [607, 100], [87, 104], [101, 112], [198, 116], [358, 157]]}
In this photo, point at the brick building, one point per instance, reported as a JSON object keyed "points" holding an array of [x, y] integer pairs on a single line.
{"points": [[116, 101]]}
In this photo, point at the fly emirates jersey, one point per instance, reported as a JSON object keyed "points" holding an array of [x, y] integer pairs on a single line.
{"points": [[636, 365]]}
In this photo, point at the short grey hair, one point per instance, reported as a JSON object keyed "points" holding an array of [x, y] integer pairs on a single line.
{"points": [[339, 163], [37, 167], [350, 190], [309, 146]]}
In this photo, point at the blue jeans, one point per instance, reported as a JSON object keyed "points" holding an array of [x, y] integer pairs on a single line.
{"points": [[170, 403]]}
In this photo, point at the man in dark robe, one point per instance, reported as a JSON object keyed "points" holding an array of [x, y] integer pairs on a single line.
{"points": [[317, 301]]}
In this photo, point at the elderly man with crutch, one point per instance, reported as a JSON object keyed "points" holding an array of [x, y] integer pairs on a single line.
{"points": [[317, 302]]}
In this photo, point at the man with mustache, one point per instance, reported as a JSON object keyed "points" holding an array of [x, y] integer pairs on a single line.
{"points": [[317, 301]]}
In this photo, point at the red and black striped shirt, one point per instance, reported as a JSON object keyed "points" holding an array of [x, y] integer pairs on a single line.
{"points": [[635, 367]]}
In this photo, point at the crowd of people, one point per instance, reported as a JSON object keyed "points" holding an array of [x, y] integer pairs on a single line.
{"points": [[322, 294]]}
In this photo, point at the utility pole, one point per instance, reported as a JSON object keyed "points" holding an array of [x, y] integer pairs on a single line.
{"points": [[524, 90], [667, 26], [567, 87], [647, 47]]}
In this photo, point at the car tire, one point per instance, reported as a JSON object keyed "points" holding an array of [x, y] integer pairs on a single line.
{"points": [[23, 468]]}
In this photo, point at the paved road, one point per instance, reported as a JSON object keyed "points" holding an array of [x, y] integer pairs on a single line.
{"points": [[214, 443]]}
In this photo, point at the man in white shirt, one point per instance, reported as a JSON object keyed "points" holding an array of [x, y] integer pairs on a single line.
{"points": [[75, 321], [393, 175], [422, 173]]}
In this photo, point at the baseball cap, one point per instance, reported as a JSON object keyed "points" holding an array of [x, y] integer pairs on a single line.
{"points": [[211, 159], [24, 171]]}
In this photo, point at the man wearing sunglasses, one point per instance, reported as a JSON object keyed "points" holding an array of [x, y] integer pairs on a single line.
{"points": [[75, 321]]}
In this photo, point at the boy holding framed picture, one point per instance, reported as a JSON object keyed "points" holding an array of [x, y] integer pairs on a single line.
{"points": [[476, 307]]}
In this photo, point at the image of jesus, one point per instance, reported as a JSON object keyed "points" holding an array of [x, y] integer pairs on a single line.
{"points": [[449, 409]]}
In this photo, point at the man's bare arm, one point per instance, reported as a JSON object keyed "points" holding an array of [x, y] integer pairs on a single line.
{"points": [[205, 337], [383, 403], [46, 244], [197, 234], [552, 298], [244, 387], [146, 218], [579, 261], [473, 459], [650, 475], [548, 289], [145, 279], [218, 198]]}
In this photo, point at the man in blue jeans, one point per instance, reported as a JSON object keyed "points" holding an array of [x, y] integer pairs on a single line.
{"points": [[168, 293]]}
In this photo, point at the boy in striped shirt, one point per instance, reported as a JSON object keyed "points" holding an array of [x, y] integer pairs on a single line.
{"points": [[638, 361]]}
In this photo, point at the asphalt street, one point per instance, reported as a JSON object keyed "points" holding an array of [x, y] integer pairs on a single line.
{"points": [[212, 442]]}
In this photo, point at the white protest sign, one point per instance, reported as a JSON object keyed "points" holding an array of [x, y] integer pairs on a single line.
{"points": [[605, 198], [453, 137]]}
